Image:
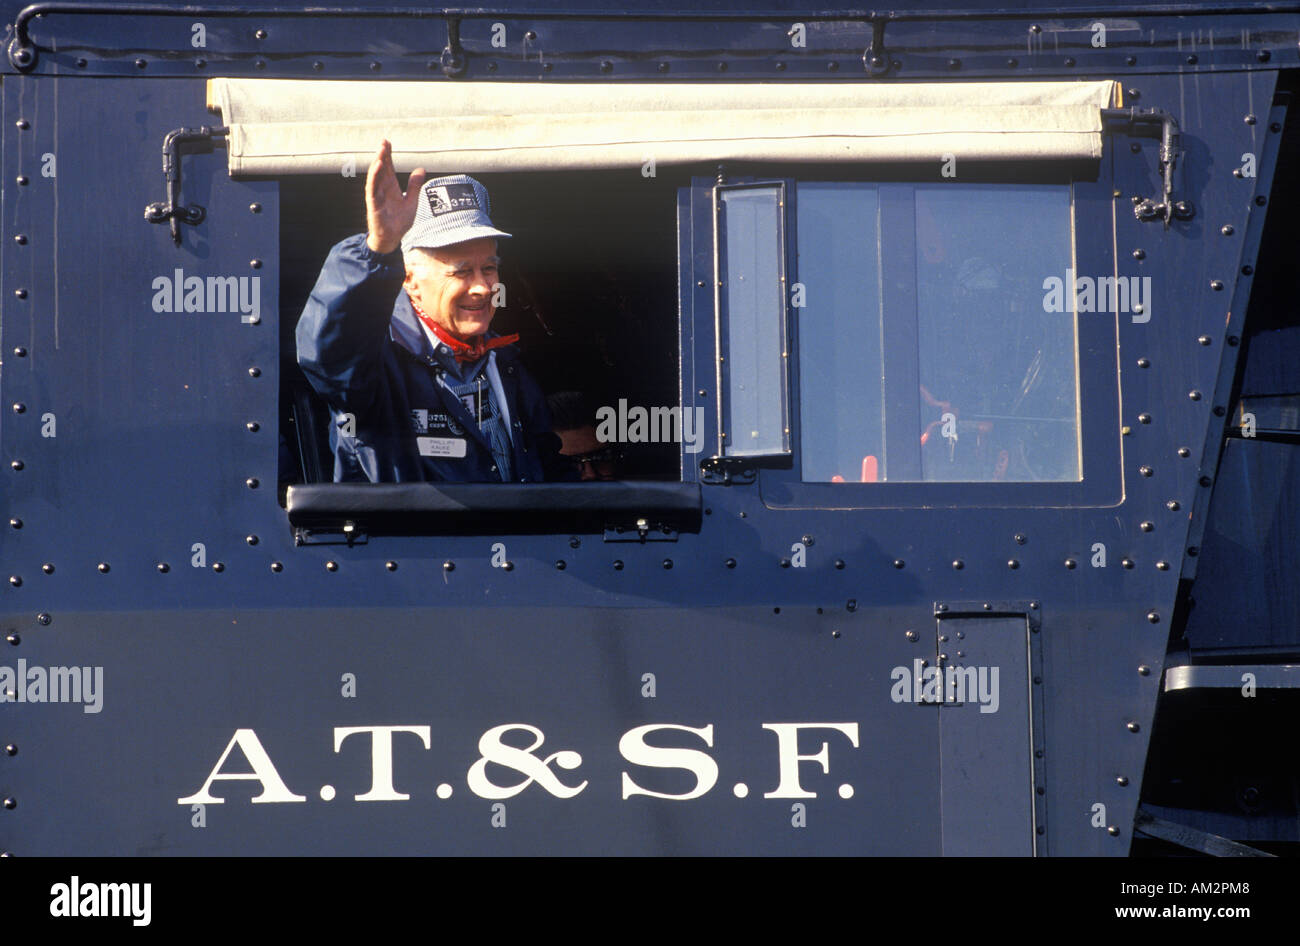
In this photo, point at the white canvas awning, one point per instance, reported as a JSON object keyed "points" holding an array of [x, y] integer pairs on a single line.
{"points": [[292, 126]]}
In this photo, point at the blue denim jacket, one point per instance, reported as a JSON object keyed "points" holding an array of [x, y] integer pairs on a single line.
{"points": [[364, 351]]}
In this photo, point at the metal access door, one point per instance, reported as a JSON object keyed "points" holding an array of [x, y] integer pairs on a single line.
{"points": [[987, 736]]}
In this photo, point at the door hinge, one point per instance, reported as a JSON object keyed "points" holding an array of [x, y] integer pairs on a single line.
{"points": [[727, 471]]}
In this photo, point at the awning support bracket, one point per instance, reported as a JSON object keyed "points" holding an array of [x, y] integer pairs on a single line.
{"points": [[875, 59], [201, 140], [453, 55], [1171, 151]]}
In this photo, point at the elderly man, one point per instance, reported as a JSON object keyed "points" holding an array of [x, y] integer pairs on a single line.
{"points": [[398, 343]]}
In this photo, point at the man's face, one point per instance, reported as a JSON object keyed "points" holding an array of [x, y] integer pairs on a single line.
{"points": [[453, 285], [596, 460]]}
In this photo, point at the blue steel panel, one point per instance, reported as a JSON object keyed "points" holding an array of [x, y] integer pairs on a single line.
{"points": [[148, 407], [108, 782], [986, 770], [1265, 146]]}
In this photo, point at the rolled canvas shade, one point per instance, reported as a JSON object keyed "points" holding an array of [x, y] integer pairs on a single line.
{"points": [[292, 126]]}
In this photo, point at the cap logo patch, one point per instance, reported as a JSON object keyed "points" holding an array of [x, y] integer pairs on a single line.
{"points": [[450, 198]]}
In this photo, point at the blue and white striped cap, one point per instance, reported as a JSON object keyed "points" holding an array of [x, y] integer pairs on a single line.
{"points": [[450, 210]]}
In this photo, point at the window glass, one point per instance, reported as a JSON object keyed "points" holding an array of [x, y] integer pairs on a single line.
{"points": [[753, 322], [996, 369], [949, 367], [841, 399]]}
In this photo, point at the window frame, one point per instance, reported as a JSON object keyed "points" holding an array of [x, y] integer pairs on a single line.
{"points": [[721, 325], [1092, 217]]}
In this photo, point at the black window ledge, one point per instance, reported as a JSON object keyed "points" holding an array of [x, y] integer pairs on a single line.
{"points": [[499, 508]]}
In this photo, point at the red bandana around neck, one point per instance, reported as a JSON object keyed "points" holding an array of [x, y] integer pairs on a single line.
{"points": [[464, 351]]}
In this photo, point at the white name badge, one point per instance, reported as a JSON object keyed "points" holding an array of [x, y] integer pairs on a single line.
{"points": [[441, 446]]}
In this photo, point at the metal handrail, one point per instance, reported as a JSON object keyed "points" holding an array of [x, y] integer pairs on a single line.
{"points": [[22, 51]]}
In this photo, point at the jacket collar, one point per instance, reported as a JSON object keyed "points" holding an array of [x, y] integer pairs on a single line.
{"points": [[406, 330]]}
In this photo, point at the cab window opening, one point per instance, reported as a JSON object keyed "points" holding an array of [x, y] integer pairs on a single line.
{"points": [[588, 280]]}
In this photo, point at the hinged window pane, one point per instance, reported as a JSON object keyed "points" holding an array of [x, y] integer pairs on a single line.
{"points": [[752, 346]]}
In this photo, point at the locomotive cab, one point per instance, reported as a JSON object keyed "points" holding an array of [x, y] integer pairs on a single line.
{"points": [[948, 358]]}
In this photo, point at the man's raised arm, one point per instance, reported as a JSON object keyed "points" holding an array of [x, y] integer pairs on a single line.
{"points": [[342, 328]]}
